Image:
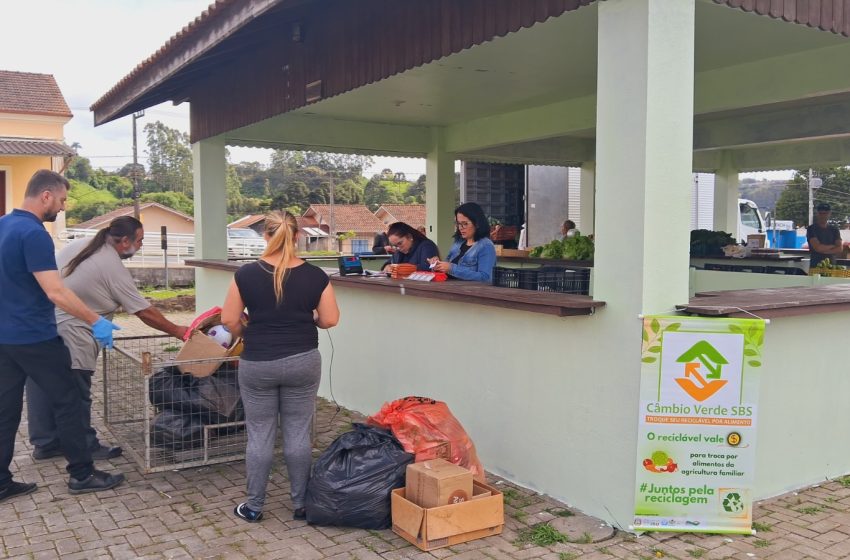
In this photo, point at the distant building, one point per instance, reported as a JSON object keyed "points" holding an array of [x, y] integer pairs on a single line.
{"points": [[33, 114], [355, 218], [153, 217], [411, 214]]}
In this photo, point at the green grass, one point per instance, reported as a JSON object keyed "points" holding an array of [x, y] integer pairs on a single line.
{"points": [[561, 512], [520, 516], [761, 543], [761, 527], [696, 553], [541, 535], [844, 481], [811, 510], [567, 556], [158, 294]]}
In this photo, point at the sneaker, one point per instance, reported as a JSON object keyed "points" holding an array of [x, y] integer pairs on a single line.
{"points": [[17, 489], [300, 514], [44, 453], [97, 481], [242, 511], [104, 452]]}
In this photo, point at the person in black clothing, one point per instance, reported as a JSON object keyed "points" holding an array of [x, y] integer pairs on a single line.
{"points": [[824, 239], [410, 246], [381, 244], [280, 366]]}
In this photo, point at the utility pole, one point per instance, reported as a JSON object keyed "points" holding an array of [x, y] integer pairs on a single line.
{"points": [[136, 194], [814, 183], [332, 232]]}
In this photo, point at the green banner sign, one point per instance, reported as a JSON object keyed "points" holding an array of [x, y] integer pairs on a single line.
{"points": [[697, 429]]}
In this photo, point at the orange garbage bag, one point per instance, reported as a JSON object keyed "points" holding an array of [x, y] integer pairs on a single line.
{"points": [[428, 429]]}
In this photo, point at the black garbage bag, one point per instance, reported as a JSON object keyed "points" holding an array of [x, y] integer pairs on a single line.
{"points": [[213, 399], [352, 480], [177, 431]]}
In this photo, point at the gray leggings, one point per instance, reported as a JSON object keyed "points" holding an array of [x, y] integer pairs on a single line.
{"points": [[284, 388]]}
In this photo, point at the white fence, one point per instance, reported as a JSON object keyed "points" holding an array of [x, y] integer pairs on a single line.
{"points": [[181, 246]]}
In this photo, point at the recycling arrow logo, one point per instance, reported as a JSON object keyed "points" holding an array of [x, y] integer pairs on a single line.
{"points": [[694, 383]]}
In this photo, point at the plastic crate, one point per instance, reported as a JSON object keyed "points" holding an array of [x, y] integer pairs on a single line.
{"points": [[545, 279]]}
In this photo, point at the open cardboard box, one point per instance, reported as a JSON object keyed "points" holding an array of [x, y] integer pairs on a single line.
{"points": [[201, 347], [430, 528]]}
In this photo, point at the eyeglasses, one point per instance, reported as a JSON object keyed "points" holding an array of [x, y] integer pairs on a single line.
{"points": [[398, 244], [463, 224]]}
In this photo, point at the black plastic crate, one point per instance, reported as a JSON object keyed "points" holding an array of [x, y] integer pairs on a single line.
{"points": [[545, 279], [506, 277]]}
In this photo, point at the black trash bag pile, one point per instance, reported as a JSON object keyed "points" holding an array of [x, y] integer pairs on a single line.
{"points": [[352, 480], [186, 404]]}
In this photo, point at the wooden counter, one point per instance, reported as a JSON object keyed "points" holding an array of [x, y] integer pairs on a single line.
{"points": [[454, 290], [770, 302]]}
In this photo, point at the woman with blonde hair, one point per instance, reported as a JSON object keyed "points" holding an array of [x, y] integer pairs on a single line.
{"points": [[280, 366]]}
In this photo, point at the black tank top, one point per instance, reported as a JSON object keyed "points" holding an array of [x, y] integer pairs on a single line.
{"points": [[276, 331]]}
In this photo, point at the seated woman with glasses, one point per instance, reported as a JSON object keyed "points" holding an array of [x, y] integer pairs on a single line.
{"points": [[410, 246], [473, 255]]}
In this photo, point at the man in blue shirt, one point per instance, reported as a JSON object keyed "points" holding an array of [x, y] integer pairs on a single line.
{"points": [[30, 288]]}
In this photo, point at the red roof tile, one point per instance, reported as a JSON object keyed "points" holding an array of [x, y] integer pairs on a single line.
{"points": [[411, 214], [347, 217], [32, 94]]}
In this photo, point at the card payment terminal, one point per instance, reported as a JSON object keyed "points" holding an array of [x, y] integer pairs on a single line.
{"points": [[350, 264]]}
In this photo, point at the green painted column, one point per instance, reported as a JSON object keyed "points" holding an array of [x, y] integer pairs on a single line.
{"points": [[208, 166], [644, 143], [587, 204], [440, 193], [726, 196]]}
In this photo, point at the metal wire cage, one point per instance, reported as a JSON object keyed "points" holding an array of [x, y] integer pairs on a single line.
{"points": [[165, 419]]}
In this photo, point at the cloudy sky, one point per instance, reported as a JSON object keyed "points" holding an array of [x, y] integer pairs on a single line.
{"points": [[89, 45]]}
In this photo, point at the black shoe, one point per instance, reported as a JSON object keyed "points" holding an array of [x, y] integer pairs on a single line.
{"points": [[103, 452], [44, 453], [17, 489], [300, 514], [97, 481], [242, 511]]}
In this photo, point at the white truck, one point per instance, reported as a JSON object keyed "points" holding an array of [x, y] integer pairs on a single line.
{"points": [[750, 221]]}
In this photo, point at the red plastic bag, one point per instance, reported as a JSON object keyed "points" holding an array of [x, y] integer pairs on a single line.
{"points": [[428, 429]]}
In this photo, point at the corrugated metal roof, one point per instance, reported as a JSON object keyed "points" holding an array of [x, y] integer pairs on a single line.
{"points": [[28, 147], [827, 15], [32, 94]]}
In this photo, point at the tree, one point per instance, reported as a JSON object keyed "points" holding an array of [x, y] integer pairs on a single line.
{"points": [[175, 200], [233, 186], [79, 169], [85, 202], [793, 204], [169, 158]]}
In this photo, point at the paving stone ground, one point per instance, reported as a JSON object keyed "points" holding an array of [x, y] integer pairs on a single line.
{"points": [[188, 514]]}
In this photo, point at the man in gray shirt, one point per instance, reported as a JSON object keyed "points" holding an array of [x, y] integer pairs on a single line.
{"points": [[93, 270]]}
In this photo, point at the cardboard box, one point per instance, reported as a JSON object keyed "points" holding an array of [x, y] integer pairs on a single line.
{"points": [[437, 483], [502, 252], [756, 240], [430, 528], [201, 347]]}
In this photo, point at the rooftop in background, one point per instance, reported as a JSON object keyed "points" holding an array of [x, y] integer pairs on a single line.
{"points": [[411, 214], [347, 217], [104, 220], [32, 94]]}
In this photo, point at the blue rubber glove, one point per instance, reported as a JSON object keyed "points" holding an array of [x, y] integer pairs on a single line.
{"points": [[102, 330]]}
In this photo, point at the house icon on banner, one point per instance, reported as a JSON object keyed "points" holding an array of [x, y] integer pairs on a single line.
{"points": [[694, 383]]}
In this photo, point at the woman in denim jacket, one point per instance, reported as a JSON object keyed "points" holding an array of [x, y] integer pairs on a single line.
{"points": [[472, 256]]}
